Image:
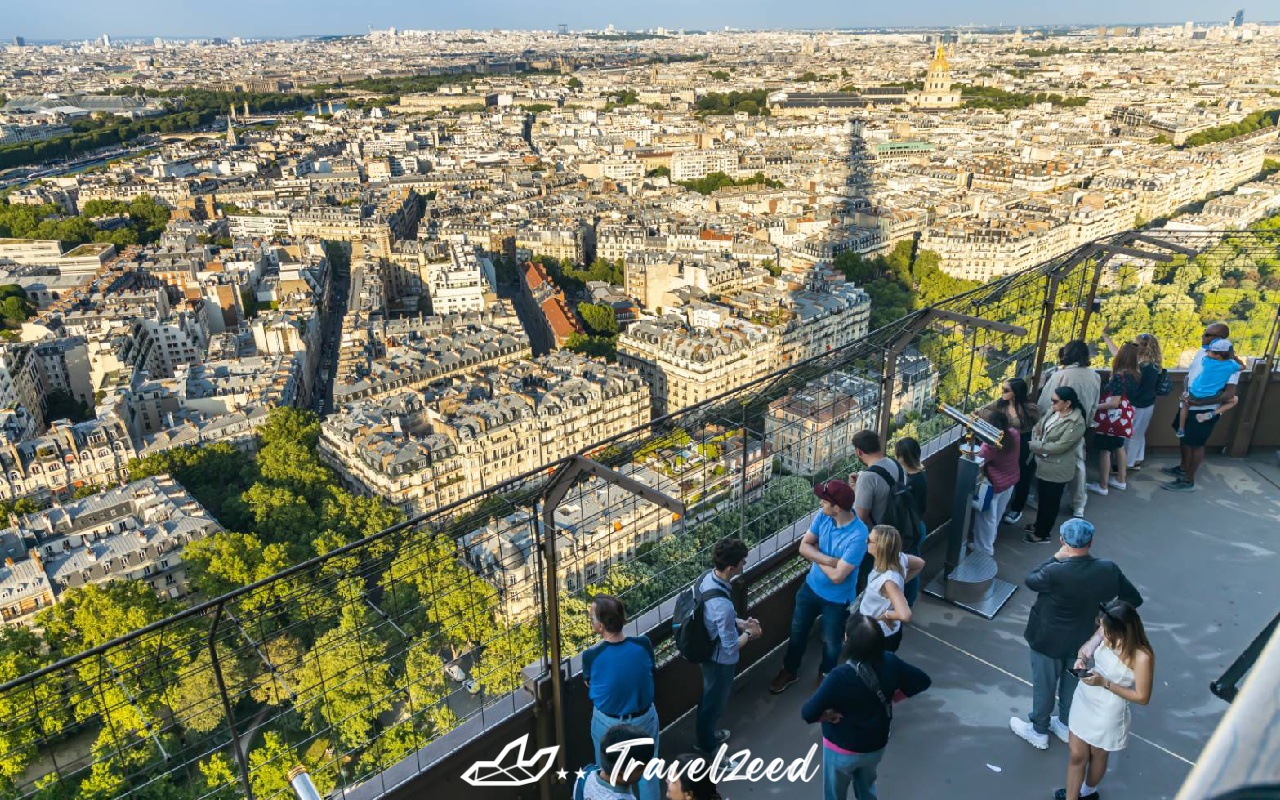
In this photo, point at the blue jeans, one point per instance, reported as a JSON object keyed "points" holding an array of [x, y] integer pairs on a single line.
{"points": [[1050, 676], [717, 681], [808, 607], [650, 788], [840, 770]]}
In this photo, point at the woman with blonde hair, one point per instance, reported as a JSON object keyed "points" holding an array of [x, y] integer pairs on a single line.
{"points": [[884, 599], [1116, 667]]}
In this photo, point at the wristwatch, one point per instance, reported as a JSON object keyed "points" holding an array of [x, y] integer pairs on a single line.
{"points": [[747, 634]]}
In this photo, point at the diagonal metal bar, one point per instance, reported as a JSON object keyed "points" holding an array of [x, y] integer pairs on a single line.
{"points": [[241, 761]]}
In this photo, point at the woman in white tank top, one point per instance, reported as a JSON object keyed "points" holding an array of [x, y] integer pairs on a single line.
{"points": [[883, 600]]}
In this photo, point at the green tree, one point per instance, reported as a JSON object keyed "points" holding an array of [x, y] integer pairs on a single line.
{"points": [[343, 683], [219, 777], [25, 710], [506, 653], [600, 319]]}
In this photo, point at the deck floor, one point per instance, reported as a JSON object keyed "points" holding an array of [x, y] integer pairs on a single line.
{"points": [[1206, 565]]}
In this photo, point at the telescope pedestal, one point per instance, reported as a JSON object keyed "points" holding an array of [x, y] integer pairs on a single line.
{"points": [[973, 586], [968, 580]]}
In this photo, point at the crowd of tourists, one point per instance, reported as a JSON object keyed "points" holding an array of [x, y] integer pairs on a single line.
{"points": [[1089, 654]]}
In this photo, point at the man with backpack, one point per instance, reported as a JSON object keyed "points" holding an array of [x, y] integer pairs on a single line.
{"points": [[835, 544], [882, 496], [709, 633]]}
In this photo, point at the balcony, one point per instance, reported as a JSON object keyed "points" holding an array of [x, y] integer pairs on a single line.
{"points": [[338, 664]]}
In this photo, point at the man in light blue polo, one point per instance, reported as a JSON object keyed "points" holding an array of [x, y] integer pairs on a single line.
{"points": [[835, 543]]}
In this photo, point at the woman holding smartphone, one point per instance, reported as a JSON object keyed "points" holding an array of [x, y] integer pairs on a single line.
{"points": [[1116, 667]]}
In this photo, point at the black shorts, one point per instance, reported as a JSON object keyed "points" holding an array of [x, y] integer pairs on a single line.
{"points": [[1197, 433], [1106, 442]]}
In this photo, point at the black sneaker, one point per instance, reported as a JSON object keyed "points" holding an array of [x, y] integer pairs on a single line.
{"points": [[1031, 538], [1175, 471], [1061, 794]]}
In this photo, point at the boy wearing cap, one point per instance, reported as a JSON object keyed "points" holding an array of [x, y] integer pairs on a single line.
{"points": [[1068, 589], [1199, 413], [835, 544]]}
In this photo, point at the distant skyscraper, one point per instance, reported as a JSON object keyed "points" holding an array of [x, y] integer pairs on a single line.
{"points": [[106, 40], [19, 41], [1239, 19], [157, 42]]}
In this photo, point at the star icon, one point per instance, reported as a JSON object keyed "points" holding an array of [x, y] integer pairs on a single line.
{"points": [[561, 774], [580, 774]]}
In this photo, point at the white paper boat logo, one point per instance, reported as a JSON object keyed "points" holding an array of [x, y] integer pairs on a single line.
{"points": [[511, 768]]}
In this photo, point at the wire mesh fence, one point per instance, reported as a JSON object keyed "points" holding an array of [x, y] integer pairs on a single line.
{"points": [[353, 662]]}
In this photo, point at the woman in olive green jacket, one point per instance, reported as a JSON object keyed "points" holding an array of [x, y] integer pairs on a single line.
{"points": [[1053, 441]]}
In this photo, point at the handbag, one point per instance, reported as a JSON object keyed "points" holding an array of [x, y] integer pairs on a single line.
{"points": [[1164, 386], [1116, 421]]}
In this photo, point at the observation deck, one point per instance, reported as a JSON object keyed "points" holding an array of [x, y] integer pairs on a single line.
{"points": [[339, 664]]}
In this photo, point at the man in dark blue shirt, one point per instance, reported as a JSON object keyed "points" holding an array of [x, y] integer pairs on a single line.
{"points": [[854, 703], [619, 674]]}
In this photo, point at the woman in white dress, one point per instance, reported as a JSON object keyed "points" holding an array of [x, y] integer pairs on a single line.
{"points": [[884, 599], [1116, 668]]}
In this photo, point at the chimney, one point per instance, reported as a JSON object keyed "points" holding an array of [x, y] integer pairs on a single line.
{"points": [[35, 557], [8, 562]]}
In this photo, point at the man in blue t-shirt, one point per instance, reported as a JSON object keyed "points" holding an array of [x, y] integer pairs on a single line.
{"points": [[619, 674], [835, 543]]}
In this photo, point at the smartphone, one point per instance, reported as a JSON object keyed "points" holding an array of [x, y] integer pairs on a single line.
{"points": [[1080, 673]]}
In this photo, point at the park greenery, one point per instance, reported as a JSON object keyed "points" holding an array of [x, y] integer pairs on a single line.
{"points": [[901, 281], [574, 279], [145, 221], [753, 102], [1254, 122], [15, 308], [998, 99], [187, 110], [715, 181]]}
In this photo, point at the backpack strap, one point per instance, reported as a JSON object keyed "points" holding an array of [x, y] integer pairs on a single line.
{"points": [[868, 676], [884, 473], [580, 787]]}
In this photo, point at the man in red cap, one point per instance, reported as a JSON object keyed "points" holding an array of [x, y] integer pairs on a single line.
{"points": [[835, 544]]}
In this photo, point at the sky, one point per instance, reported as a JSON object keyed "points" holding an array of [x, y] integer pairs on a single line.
{"points": [[81, 19]]}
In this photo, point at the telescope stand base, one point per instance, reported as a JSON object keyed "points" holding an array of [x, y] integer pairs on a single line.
{"points": [[986, 606]]}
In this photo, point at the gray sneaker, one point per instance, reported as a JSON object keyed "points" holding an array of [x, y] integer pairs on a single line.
{"points": [[1174, 471], [1179, 486]]}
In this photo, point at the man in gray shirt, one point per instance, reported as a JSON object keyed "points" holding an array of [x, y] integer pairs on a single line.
{"points": [[729, 632], [871, 492]]}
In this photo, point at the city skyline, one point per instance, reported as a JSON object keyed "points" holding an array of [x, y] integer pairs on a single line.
{"points": [[79, 19]]}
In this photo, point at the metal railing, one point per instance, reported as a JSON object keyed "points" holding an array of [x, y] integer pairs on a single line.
{"points": [[351, 663]]}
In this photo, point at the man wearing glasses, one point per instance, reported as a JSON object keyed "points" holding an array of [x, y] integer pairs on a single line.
{"points": [[835, 544], [1201, 417]]}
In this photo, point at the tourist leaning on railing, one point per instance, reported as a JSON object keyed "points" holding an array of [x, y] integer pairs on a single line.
{"points": [[1023, 414]]}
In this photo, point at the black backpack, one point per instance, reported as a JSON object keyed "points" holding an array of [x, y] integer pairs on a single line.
{"points": [[688, 624], [902, 512]]}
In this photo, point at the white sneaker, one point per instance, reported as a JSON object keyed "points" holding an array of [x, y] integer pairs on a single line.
{"points": [[1078, 513], [1023, 729], [1096, 488], [1060, 729], [1115, 484], [1012, 518]]}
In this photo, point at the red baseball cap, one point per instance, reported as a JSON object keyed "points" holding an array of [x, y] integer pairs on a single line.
{"points": [[836, 492]]}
